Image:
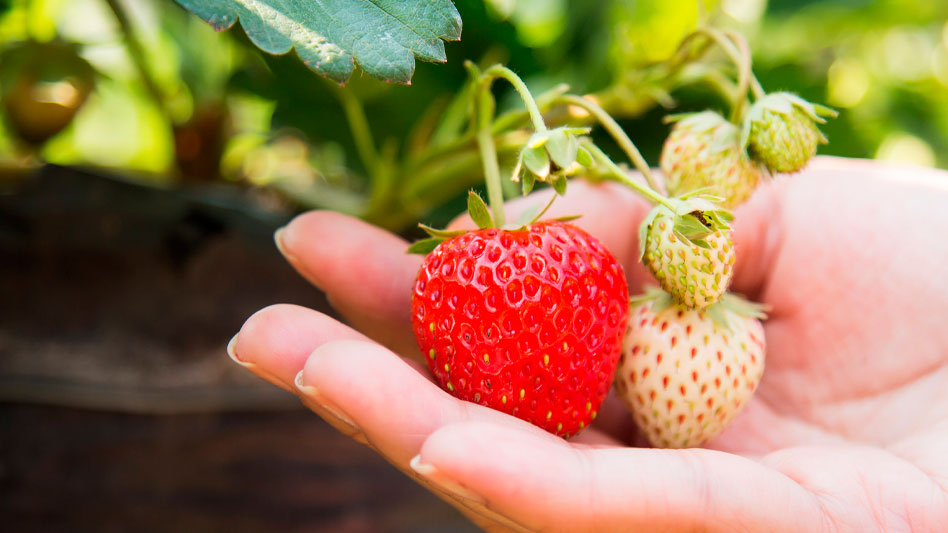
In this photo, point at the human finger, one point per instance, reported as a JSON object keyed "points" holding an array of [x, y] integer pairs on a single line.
{"points": [[364, 271], [547, 485]]}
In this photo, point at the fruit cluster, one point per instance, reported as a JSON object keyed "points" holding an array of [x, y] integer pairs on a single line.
{"points": [[534, 318], [694, 355]]}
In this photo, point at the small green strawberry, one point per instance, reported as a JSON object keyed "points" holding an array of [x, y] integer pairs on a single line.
{"points": [[685, 374], [703, 153], [781, 132], [689, 250]]}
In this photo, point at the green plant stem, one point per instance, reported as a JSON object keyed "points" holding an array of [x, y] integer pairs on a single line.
{"points": [[137, 54], [740, 61], [619, 175], [720, 84], [507, 121], [757, 88], [683, 55], [360, 130], [617, 133], [745, 51], [500, 71], [483, 115]]}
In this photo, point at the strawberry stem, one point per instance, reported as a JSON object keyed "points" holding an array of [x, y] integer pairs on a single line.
{"points": [[619, 175], [361, 134], [495, 193], [741, 43], [616, 132], [500, 71], [745, 51], [741, 61], [483, 117]]}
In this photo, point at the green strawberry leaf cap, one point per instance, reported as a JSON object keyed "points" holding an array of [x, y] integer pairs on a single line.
{"points": [[551, 156], [694, 217], [732, 304], [479, 213], [718, 312], [660, 299]]}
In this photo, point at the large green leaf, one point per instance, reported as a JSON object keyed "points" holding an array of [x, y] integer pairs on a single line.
{"points": [[383, 36]]}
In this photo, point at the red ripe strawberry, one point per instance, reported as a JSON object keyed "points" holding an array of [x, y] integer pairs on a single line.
{"points": [[529, 322]]}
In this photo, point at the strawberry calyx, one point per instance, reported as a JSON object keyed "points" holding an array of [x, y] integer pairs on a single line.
{"points": [[729, 303], [740, 306], [724, 133], [551, 156], [479, 213], [695, 216], [481, 216]]}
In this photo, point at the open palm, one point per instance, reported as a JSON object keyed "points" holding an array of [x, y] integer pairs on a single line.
{"points": [[848, 430]]}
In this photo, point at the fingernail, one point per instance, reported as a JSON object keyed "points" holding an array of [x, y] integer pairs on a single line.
{"points": [[278, 237], [430, 473], [232, 350], [259, 372], [313, 394]]}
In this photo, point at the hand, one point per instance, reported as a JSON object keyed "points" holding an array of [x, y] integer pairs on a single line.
{"points": [[848, 430]]}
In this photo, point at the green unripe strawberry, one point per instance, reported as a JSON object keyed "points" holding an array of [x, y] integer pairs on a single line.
{"points": [[703, 153], [781, 132], [690, 252]]}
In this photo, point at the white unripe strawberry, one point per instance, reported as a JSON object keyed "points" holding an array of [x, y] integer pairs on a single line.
{"points": [[685, 374]]}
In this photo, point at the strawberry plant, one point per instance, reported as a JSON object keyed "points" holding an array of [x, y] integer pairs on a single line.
{"points": [[529, 318], [499, 334], [524, 318], [694, 355], [725, 158]]}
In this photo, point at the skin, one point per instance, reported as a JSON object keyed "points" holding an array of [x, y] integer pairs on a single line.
{"points": [[847, 432]]}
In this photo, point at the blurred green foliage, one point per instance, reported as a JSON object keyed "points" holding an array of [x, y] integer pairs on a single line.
{"points": [[195, 105]]}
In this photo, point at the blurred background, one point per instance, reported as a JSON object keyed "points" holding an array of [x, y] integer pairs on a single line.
{"points": [[146, 159]]}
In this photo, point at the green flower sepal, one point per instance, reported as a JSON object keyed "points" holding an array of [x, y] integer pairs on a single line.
{"points": [[551, 156]]}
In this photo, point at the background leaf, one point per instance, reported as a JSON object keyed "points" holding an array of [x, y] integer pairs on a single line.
{"points": [[383, 36]]}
